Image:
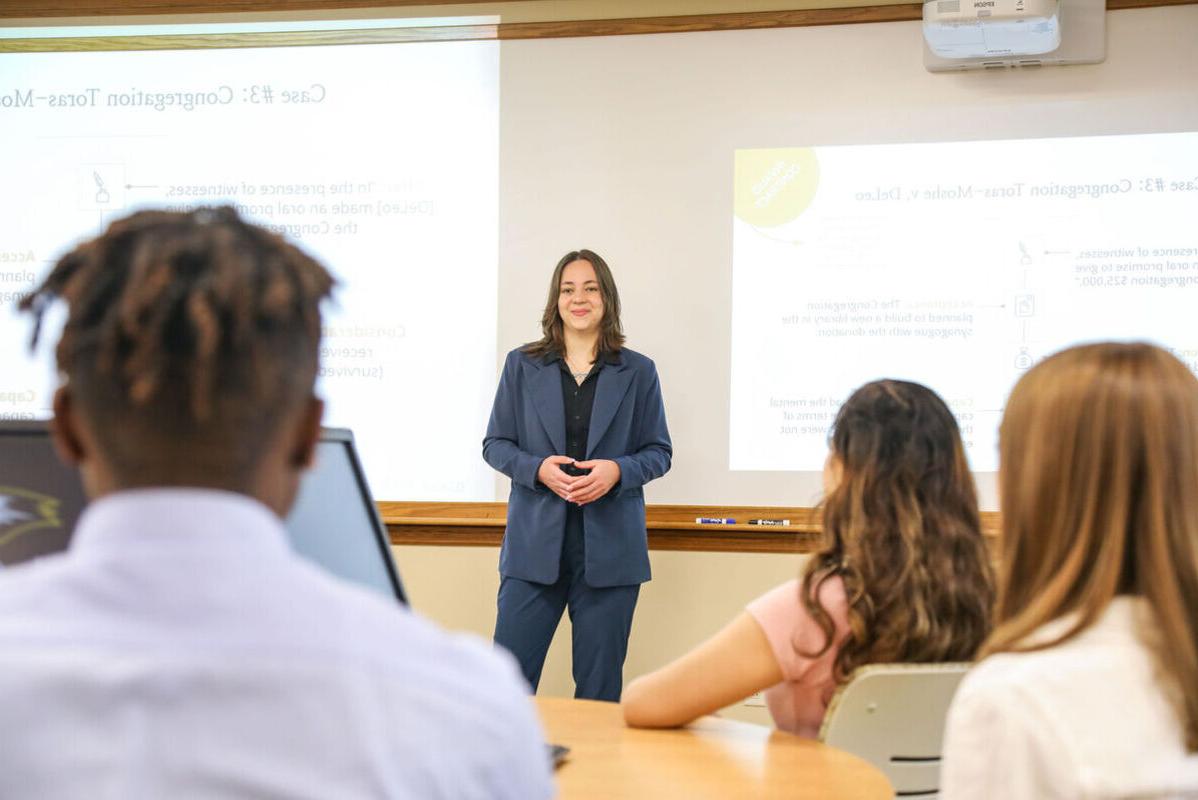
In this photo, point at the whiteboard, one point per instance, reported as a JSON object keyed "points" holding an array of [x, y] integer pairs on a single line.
{"points": [[625, 145]]}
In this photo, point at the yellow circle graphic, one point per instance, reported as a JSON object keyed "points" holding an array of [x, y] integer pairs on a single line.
{"points": [[774, 186]]}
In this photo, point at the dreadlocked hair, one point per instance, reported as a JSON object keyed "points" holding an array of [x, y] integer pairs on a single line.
{"points": [[903, 534], [191, 326]]}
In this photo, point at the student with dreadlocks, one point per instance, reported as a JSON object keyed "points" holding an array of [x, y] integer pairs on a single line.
{"points": [[179, 648]]}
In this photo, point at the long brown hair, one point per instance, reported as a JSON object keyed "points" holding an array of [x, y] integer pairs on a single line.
{"points": [[903, 533], [1099, 477], [611, 332]]}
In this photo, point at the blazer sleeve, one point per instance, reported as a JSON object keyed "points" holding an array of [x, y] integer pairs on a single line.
{"points": [[652, 451], [501, 445]]}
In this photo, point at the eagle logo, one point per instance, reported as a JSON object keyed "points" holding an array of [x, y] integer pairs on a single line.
{"points": [[22, 512]]}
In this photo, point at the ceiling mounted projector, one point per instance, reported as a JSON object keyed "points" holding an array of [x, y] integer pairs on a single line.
{"points": [[988, 28], [983, 34]]}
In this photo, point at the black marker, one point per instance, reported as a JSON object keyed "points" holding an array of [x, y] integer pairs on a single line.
{"points": [[769, 522]]}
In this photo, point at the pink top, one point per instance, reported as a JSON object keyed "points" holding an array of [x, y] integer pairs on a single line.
{"points": [[798, 703]]}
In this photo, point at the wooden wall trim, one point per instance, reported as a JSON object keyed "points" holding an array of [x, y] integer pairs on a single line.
{"points": [[671, 527], [116, 8], [754, 20], [221, 41], [447, 33], [518, 30]]}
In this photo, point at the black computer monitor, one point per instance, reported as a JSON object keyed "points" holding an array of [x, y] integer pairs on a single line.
{"points": [[334, 521], [40, 497]]}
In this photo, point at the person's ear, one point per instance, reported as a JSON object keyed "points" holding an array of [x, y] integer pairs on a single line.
{"points": [[307, 433], [64, 429]]}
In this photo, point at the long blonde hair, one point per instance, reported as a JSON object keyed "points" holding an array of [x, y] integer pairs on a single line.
{"points": [[1099, 487], [903, 533]]}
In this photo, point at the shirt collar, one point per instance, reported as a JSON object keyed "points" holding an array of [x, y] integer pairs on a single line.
{"points": [[178, 518], [1125, 616], [605, 357]]}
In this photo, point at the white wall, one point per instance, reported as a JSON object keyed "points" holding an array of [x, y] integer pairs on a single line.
{"points": [[690, 597], [624, 144]]}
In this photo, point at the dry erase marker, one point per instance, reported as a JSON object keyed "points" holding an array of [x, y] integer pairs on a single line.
{"points": [[714, 521], [769, 522]]}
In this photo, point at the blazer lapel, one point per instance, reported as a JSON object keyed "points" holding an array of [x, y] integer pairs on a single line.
{"points": [[546, 384], [614, 380]]}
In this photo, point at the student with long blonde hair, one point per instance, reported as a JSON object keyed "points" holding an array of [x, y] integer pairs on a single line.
{"points": [[904, 575], [1088, 685]]}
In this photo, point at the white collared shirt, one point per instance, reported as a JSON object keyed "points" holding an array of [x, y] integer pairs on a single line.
{"points": [[180, 649], [1085, 719]]}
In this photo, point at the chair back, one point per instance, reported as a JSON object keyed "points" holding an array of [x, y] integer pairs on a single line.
{"points": [[893, 715]]}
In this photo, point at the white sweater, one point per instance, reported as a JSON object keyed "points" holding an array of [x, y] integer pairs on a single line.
{"points": [[1087, 719]]}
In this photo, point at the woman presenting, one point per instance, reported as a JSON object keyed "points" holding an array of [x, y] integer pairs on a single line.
{"points": [[579, 426]]}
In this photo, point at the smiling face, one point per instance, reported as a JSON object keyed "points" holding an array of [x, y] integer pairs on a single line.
{"points": [[579, 301]]}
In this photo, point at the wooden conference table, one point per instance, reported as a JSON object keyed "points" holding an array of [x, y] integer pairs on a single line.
{"points": [[711, 758]]}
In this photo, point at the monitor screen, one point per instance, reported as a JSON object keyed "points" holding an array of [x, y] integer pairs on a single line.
{"points": [[40, 497], [334, 521]]}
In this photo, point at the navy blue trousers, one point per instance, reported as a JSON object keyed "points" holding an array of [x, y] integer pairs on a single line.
{"points": [[601, 619]]}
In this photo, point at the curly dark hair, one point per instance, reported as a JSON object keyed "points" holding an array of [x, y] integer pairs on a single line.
{"points": [[903, 533]]}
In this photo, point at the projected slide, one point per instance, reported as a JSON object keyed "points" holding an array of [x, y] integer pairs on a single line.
{"points": [[381, 160], [956, 265]]}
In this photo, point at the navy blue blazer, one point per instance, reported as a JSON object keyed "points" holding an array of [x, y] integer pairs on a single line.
{"points": [[628, 426]]}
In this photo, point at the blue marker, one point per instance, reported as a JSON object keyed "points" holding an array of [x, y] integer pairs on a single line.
{"points": [[714, 521]]}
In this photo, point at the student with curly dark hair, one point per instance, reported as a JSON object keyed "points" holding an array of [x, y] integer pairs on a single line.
{"points": [[904, 576], [179, 648]]}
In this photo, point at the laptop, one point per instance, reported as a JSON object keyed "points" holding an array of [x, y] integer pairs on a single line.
{"points": [[334, 521]]}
